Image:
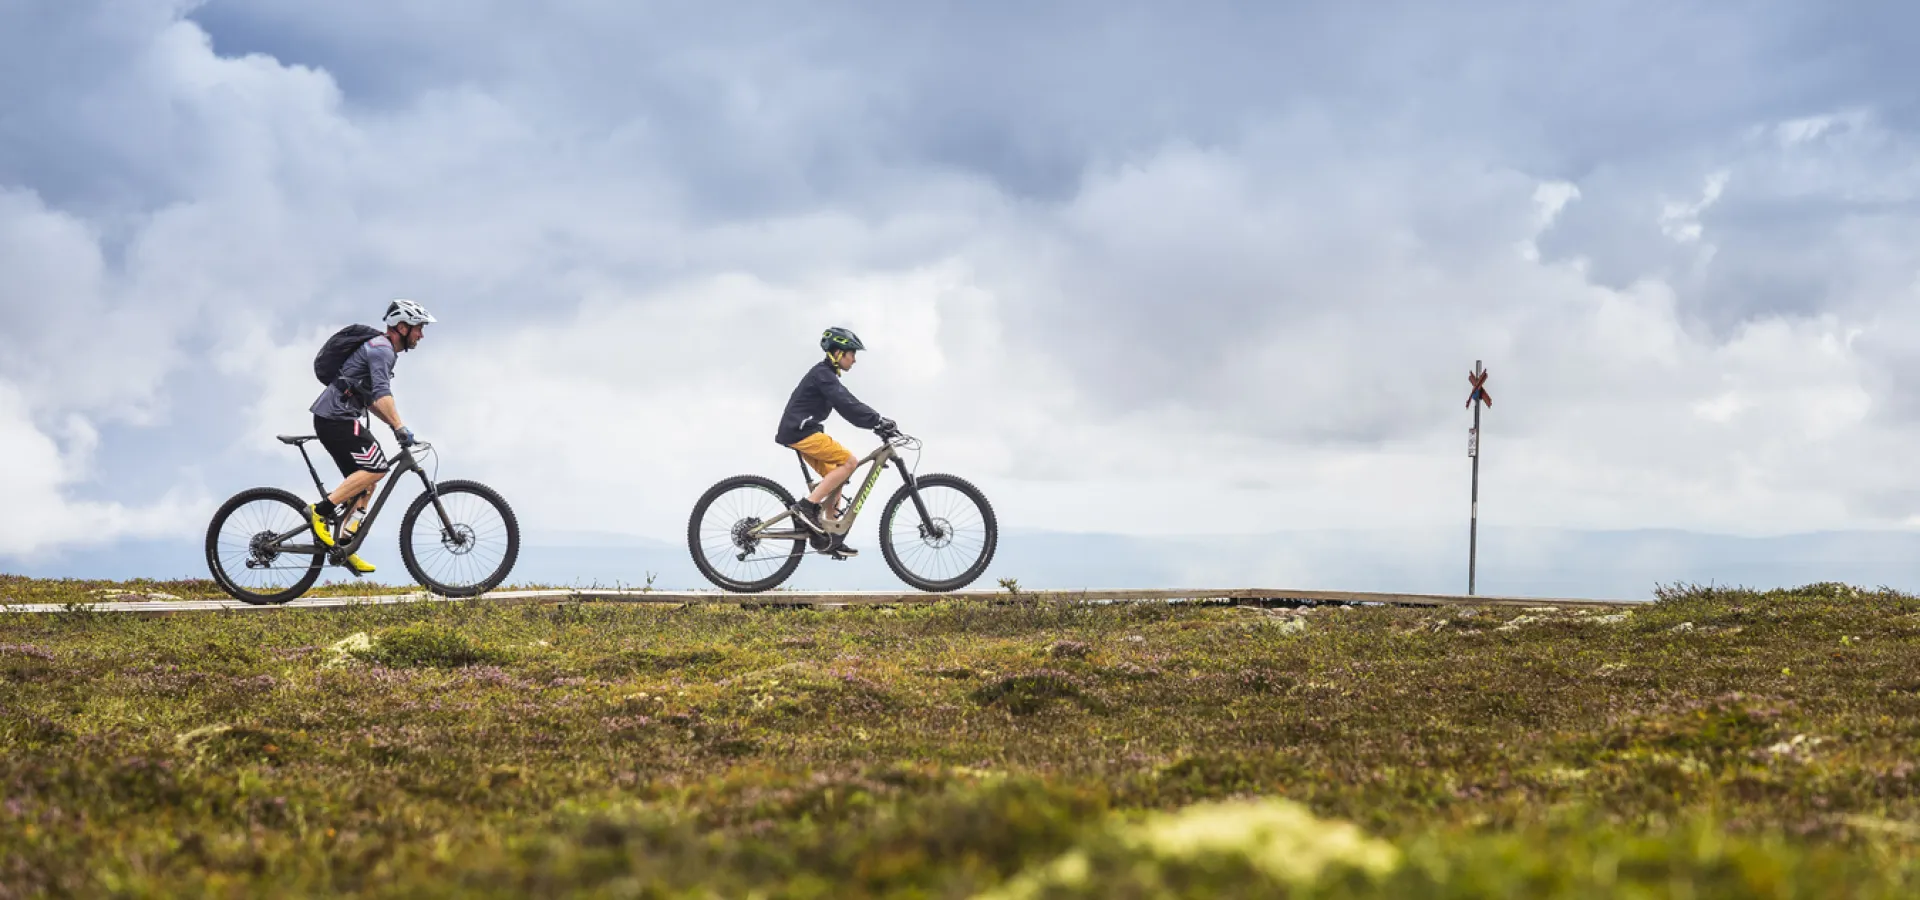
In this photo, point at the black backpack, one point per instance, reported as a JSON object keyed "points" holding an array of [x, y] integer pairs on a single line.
{"points": [[333, 355]]}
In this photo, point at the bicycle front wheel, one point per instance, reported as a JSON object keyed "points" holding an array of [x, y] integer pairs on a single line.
{"points": [[243, 547], [951, 546], [719, 534], [467, 553]]}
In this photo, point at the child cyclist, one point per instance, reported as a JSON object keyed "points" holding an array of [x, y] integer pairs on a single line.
{"points": [[820, 392]]}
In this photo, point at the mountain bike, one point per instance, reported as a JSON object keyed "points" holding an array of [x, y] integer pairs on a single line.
{"points": [[937, 532], [262, 549]]}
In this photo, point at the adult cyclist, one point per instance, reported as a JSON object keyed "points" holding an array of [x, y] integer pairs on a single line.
{"points": [[340, 420], [819, 393]]}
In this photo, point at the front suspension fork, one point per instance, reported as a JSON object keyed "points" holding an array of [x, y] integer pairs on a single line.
{"points": [[433, 491], [927, 528]]}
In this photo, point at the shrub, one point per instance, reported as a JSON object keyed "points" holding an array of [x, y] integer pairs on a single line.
{"points": [[1027, 692]]}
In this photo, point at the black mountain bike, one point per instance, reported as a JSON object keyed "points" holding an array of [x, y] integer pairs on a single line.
{"points": [[937, 532], [262, 548]]}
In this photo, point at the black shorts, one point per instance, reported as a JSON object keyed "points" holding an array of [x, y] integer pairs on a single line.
{"points": [[351, 445]]}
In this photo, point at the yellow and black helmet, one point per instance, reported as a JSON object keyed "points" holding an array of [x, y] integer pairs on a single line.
{"points": [[834, 339]]}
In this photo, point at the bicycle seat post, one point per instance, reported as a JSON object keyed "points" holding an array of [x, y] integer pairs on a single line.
{"points": [[311, 470], [805, 472]]}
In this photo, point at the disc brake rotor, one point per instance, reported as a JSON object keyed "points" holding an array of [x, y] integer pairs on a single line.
{"points": [[458, 540], [940, 535]]}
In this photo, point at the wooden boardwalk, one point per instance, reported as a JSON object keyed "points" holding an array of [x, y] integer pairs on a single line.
{"points": [[829, 599]]}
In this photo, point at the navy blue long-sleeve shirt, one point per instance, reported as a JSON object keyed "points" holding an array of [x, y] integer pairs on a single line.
{"points": [[820, 393]]}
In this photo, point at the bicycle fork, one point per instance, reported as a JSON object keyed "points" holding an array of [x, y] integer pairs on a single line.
{"points": [[447, 532], [928, 529]]}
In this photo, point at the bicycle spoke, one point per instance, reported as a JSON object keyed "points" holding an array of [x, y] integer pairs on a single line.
{"points": [[724, 550], [961, 541], [257, 570], [481, 540]]}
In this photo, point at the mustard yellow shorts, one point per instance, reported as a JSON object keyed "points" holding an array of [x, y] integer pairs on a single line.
{"points": [[823, 453]]}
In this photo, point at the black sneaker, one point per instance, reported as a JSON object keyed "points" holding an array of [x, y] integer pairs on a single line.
{"points": [[844, 552], [807, 513]]}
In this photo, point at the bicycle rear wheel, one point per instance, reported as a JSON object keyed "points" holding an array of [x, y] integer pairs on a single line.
{"points": [[243, 553], [950, 551], [468, 554], [723, 550]]}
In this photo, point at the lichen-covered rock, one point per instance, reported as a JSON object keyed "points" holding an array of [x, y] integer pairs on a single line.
{"points": [[344, 650], [1242, 845]]}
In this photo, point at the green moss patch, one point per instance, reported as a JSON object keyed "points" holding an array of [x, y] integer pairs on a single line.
{"points": [[1716, 743]]}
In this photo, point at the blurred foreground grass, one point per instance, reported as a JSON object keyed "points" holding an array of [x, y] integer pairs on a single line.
{"points": [[1715, 744]]}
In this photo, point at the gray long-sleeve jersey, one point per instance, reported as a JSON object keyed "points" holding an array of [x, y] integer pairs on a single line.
{"points": [[371, 367]]}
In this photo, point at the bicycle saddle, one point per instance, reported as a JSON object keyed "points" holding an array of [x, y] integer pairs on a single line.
{"points": [[295, 440]]}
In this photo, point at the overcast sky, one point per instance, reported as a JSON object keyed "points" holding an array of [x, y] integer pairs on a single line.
{"points": [[1137, 268]]}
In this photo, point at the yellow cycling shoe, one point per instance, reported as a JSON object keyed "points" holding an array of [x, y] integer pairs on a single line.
{"points": [[354, 562], [320, 528]]}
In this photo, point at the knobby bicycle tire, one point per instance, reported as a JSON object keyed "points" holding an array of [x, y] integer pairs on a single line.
{"points": [[902, 499], [706, 567], [226, 582], [492, 579]]}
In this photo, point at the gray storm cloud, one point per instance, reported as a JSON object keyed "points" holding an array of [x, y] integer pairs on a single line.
{"points": [[1100, 243]]}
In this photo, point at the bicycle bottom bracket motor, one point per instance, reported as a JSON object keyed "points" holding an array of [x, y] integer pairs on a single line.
{"points": [[457, 538], [937, 532]]}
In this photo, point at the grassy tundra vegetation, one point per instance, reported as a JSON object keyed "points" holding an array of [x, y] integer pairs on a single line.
{"points": [[1715, 744]]}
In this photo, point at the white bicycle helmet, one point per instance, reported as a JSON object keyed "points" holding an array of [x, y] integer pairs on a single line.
{"points": [[407, 312]]}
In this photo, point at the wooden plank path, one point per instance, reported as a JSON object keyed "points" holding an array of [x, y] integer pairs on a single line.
{"points": [[830, 599]]}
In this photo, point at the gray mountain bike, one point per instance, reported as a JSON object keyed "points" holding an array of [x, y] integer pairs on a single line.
{"points": [[458, 538], [937, 532]]}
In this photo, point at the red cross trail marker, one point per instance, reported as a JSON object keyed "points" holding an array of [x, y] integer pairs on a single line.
{"points": [[1477, 378]]}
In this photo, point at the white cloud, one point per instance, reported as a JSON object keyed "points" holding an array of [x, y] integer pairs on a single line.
{"points": [[37, 469], [1197, 327], [1549, 198], [1681, 220]]}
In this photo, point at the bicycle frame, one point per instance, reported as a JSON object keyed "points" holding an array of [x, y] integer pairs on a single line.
{"points": [[876, 461], [406, 462]]}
